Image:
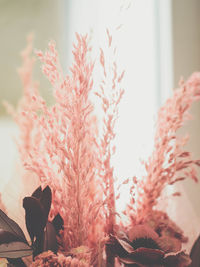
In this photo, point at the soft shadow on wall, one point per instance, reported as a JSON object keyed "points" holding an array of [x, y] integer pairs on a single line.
{"points": [[186, 60]]}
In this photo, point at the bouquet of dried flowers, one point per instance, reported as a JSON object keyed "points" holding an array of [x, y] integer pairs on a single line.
{"points": [[71, 217]]}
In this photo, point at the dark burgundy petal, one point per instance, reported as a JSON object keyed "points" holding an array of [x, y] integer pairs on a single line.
{"points": [[195, 253], [58, 223], [145, 243], [177, 260], [114, 247], [37, 193], [38, 245], [45, 200], [125, 244], [50, 241], [35, 217], [131, 262], [147, 255]]}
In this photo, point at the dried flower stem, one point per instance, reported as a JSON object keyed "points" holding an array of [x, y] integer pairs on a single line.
{"points": [[64, 152], [110, 95], [169, 163]]}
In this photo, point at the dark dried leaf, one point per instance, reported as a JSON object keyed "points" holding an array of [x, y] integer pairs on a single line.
{"points": [[114, 247], [7, 237], [35, 217], [50, 241], [15, 250], [11, 226], [16, 262], [195, 253], [58, 223], [45, 200], [37, 209], [177, 260], [38, 245], [13, 243], [125, 244], [37, 193], [147, 255], [130, 262]]}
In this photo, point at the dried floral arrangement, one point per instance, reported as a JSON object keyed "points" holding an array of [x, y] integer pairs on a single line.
{"points": [[71, 217]]}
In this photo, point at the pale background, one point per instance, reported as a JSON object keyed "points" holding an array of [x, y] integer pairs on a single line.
{"points": [[159, 43]]}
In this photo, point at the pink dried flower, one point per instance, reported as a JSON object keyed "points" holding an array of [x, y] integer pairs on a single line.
{"points": [[110, 95], [163, 225], [48, 258], [61, 147], [169, 162]]}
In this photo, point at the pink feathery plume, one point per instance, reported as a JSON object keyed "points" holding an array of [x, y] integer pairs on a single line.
{"points": [[64, 152], [110, 95], [169, 162]]}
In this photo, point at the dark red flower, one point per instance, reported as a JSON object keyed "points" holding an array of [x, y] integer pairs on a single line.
{"points": [[143, 247], [164, 226]]}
